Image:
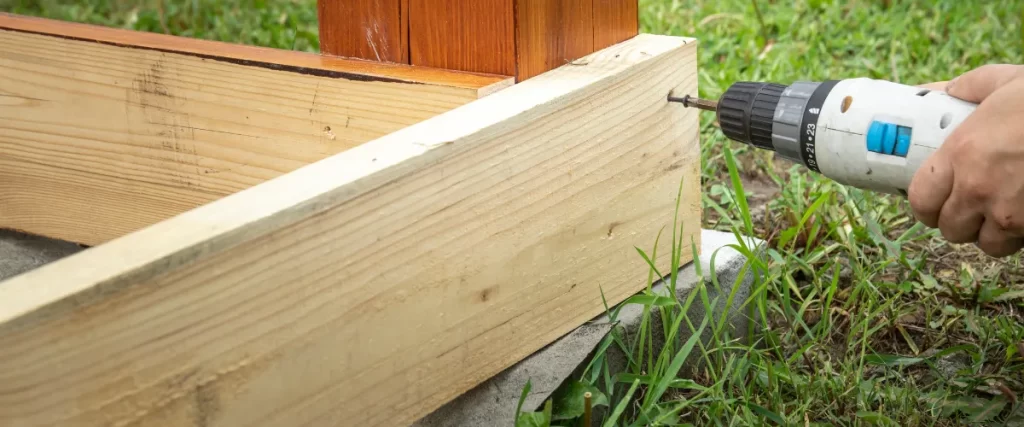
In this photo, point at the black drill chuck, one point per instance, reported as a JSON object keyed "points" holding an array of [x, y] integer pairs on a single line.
{"points": [[746, 111]]}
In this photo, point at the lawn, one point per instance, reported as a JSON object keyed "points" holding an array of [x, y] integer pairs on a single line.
{"points": [[869, 318]]}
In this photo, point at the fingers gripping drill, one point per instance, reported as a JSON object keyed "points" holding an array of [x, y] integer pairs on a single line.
{"points": [[870, 134]]}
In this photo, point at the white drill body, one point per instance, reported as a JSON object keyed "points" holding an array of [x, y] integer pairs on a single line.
{"points": [[846, 141], [867, 133]]}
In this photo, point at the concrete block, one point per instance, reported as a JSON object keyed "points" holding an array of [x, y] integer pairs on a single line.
{"points": [[494, 402], [20, 252], [488, 404]]}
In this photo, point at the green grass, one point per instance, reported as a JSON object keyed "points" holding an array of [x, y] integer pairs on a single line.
{"points": [[283, 24], [869, 319]]}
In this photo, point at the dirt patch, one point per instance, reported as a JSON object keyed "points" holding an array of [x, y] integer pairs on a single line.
{"points": [[760, 187], [946, 261]]}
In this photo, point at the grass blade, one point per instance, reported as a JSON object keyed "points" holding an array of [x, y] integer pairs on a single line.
{"points": [[621, 407], [741, 195], [677, 363]]}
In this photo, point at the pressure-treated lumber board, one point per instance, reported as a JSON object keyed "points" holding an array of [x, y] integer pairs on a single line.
{"points": [[372, 286], [368, 29], [513, 37], [103, 131]]}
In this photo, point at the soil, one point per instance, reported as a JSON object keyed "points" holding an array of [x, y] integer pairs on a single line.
{"points": [[946, 259]]}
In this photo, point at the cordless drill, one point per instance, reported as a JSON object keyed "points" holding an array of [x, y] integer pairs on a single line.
{"points": [[867, 133]]}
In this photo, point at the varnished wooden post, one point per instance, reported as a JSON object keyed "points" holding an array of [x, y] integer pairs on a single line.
{"points": [[552, 33], [521, 38], [375, 30], [615, 21], [464, 35]]}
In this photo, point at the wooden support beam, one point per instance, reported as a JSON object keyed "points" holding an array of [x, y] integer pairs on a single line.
{"points": [[615, 21], [551, 33], [463, 35], [368, 29], [521, 38], [108, 131], [370, 287]]}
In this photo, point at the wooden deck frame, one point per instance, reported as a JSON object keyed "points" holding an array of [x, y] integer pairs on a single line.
{"points": [[466, 223]]}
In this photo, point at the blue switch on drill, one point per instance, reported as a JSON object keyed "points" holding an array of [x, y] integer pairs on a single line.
{"points": [[888, 138]]}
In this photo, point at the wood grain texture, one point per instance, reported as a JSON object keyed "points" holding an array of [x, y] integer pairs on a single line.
{"points": [[368, 29], [97, 140], [466, 35], [372, 286], [523, 38], [615, 21], [550, 34], [276, 59]]}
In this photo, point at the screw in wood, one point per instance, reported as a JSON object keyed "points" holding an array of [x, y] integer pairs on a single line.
{"points": [[689, 101]]}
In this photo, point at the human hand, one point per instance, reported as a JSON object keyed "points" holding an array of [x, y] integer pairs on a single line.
{"points": [[972, 187]]}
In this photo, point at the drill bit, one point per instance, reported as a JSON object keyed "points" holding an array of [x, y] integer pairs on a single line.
{"points": [[689, 101]]}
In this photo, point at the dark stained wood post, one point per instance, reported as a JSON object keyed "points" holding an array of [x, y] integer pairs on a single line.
{"points": [[615, 21], [520, 38], [375, 30], [465, 35]]}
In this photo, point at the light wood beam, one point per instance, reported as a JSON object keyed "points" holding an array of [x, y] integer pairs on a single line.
{"points": [[106, 131], [372, 286]]}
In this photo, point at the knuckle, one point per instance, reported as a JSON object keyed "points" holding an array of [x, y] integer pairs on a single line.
{"points": [[1005, 218], [1014, 71], [962, 145], [977, 187], [1001, 71], [918, 204], [991, 68], [968, 157]]}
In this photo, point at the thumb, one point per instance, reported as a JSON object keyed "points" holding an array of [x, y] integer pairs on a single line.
{"points": [[935, 85], [977, 84]]}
